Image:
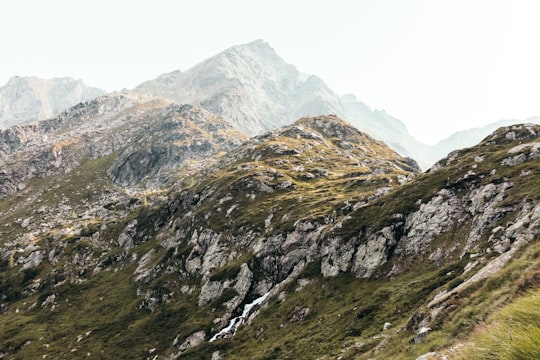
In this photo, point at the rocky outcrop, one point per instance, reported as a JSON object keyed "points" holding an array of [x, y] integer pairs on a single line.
{"points": [[172, 138], [153, 138]]}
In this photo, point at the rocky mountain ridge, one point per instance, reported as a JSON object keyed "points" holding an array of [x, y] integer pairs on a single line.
{"points": [[152, 137], [257, 91], [252, 88], [470, 137], [27, 99], [329, 227]]}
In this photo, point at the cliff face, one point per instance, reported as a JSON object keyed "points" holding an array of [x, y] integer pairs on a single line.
{"points": [[136, 240], [27, 99]]}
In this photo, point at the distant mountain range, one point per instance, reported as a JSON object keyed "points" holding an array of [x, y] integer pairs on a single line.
{"points": [[253, 88], [27, 99]]}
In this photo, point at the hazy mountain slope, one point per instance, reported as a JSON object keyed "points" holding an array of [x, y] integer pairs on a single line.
{"points": [[256, 90], [26, 99], [251, 86], [386, 128], [309, 220], [469, 137]]}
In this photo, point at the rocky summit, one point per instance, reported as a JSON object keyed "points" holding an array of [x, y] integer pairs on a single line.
{"points": [[134, 227], [251, 86]]}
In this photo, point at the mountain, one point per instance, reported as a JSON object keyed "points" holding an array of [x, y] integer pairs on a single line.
{"points": [[388, 129], [141, 140], [469, 137], [312, 240], [26, 99], [257, 91], [251, 86]]}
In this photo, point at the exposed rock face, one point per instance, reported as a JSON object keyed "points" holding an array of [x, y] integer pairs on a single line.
{"points": [[27, 99], [249, 85], [179, 135], [153, 137]]}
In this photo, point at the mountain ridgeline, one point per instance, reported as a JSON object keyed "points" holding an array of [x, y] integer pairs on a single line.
{"points": [[251, 87], [27, 99], [133, 227], [146, 138], [255, 89]]}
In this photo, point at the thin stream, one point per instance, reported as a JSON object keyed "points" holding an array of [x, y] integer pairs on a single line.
{"points": [[237, 321]]}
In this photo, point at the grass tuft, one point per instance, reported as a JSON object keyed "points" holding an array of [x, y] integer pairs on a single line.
{"points": [[514, 332]]}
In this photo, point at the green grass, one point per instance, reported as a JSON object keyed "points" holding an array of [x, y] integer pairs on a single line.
{"points": [[513, 332], [343, 312], [105, 305]]}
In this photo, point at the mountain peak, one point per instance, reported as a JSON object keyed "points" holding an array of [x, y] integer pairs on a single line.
{"points": [[252, 54], [258, 43], [251, 86]]}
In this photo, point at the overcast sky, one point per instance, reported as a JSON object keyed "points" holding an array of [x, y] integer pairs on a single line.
{"points": [[439, 66]]}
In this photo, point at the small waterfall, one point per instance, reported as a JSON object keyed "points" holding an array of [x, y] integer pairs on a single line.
{"points": [[237, 321]]}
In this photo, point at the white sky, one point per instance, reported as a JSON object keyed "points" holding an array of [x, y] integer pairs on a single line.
{"points": [[439, 66]]}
